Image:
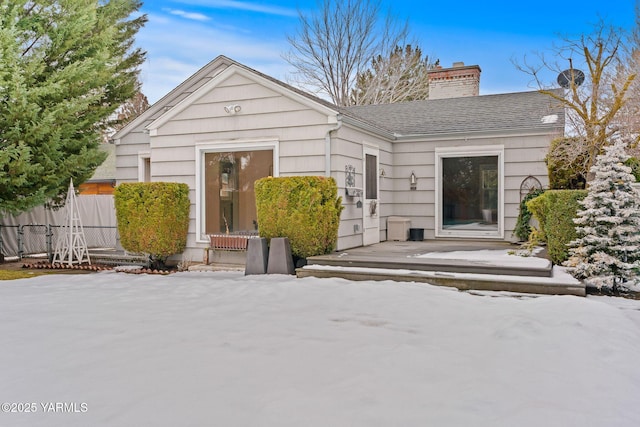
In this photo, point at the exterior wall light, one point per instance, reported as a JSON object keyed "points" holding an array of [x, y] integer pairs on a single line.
{"points": [[232, 109], [413, 181]]}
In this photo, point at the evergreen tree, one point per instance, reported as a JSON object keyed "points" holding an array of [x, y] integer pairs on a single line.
{"points": [[65, 67], [607, 251], [399, 77]]}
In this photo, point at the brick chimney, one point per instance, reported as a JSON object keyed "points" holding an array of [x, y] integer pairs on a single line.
{"points": [[457, 81]]}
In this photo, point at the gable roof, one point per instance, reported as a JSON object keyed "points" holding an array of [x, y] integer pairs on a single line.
{"points": [[234, 68], [197, 80], [107, 170], [511, 111], [485, 113], [176, 95]]}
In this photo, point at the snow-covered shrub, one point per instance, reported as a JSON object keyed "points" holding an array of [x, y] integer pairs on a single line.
{"points": [[607, 250]]}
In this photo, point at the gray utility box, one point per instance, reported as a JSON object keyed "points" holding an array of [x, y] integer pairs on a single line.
{"points": [[398, 228]]}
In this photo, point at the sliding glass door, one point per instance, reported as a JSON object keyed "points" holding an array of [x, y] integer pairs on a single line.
{"points": [[470, 193]]}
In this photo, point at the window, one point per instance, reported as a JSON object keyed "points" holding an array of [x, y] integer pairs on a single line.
{"points": [[226, 192], [144, 166], [371, 167], [470, 192]]}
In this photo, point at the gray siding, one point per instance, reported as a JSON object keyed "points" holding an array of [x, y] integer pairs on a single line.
{"points": [[523, 156], [347, 149]]}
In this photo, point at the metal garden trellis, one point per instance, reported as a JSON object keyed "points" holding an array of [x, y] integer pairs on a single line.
{"points": [[71, 245]]}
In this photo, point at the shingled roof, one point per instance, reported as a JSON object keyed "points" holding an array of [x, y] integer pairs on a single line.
{"points": [[503, 112], [511, 111]]}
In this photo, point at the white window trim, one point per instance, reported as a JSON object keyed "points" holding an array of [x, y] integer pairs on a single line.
{"points": [[472, 151], [142, 157], [203, 148]]}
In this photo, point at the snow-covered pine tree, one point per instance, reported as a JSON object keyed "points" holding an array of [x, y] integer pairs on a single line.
{"points": [[607, 250]]}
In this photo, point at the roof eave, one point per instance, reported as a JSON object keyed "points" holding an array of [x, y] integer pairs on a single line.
{"points": [[368, 127], [167, 99], [482, 133]]}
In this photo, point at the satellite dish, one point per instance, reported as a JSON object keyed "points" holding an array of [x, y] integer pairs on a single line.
{"points": [[566, 77]]}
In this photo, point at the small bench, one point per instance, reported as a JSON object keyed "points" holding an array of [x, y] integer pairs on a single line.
{"points": [[233, 243], [227, 242]]}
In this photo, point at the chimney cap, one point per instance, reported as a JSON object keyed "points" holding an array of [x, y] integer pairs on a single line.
{"points": [[457, 67]]}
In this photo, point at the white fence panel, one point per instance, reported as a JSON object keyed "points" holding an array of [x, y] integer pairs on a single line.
{"points": [[97, 212]]}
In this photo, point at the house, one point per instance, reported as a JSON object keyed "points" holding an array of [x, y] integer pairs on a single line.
{"points": [[455, 166], [103, 180]]}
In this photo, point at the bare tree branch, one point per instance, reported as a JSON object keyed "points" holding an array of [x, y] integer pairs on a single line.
{"points": [[333, 45], [594, 107]]}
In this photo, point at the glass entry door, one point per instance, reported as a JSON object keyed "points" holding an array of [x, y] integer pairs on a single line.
{"points": [[229, 189]]}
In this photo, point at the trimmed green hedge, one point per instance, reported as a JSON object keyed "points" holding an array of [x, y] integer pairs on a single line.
{"points": [[153, 217], [306, 209], [555, 211]]}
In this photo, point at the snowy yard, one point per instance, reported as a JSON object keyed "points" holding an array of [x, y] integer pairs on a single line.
{"points": [[222, 349]]}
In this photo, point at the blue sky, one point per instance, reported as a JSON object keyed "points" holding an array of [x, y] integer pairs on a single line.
{"points": [[183, 35]]}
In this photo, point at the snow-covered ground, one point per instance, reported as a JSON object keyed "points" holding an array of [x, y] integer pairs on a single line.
{"points": [[494, 257], [224, 349]]}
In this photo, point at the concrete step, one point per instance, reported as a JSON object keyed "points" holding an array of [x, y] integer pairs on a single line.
{"points": [[542, 268], [559, 283]]}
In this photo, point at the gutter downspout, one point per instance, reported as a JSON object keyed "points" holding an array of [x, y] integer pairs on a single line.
{"points": [[327, 146]]}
